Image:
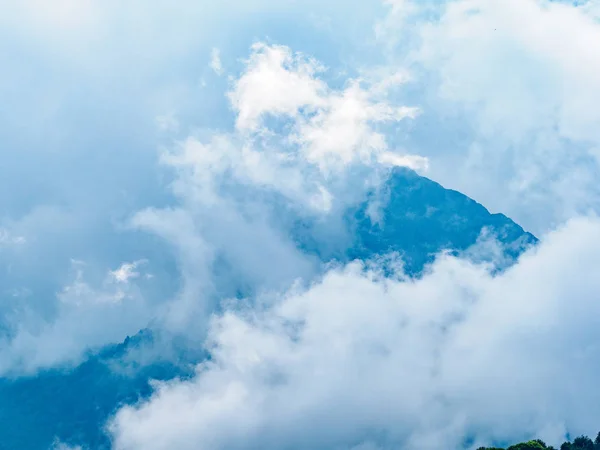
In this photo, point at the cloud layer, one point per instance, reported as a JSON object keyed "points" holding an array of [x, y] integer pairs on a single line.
{"points": [[363, 358]]}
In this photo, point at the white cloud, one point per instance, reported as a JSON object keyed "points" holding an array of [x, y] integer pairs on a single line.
{"points": [[7, 238], [331, 128], [551, 85], [276, 82], [415, 162], [359, 358], [77, 324], [509, 87], [167, 122], [58, 445], [215, 61], [126, 272], [343, 130]]}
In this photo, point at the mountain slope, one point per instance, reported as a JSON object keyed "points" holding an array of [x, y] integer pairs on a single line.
{"points": [[73, 405], [417, 218], [420, 218]]}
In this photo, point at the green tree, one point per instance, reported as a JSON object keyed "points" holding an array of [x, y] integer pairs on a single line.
{"points": [[530, 445]]}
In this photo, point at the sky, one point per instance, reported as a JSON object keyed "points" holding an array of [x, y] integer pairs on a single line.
{"points": [[142, 146]]}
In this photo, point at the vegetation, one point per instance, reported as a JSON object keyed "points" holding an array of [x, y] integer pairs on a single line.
{"points": [[580, 443]]}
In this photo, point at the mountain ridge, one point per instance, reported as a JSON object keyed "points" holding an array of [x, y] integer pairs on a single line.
{"points": [[418, 219]]}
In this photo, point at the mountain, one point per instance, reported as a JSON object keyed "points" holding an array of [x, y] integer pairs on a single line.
{"points": [[73, 404], [417, 218], [420, 218]]}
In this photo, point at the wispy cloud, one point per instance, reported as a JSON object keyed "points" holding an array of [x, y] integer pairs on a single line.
{"points": [[87, 316], [6, 238], [126, 272], [215, 61]]}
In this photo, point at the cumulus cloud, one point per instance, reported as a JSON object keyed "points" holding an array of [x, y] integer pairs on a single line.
{"points": [[425, 364], [275, 82], [329, 126]]}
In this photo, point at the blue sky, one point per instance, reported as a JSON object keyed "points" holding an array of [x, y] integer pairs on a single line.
{"points": [[141, 142]]}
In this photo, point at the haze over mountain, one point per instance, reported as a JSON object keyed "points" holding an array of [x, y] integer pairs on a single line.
{"points": [[241, 199], [418, 219]]}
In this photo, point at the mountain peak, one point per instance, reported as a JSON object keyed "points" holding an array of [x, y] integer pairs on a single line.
{"points": [[418, 218]]}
